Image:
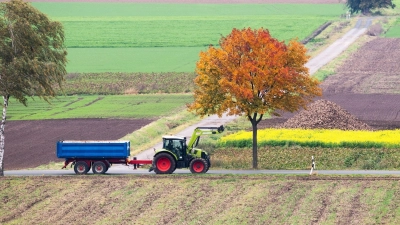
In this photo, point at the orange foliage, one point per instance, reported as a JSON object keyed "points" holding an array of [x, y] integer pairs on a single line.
{"points": [[253, 73]]}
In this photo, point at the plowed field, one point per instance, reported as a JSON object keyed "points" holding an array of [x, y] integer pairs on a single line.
{"points": [[33, 143], [373, 69], [209, 199], [367, 85]]}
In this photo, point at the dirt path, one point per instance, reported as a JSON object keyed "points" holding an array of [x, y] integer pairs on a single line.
{"points": [[339, 46]]}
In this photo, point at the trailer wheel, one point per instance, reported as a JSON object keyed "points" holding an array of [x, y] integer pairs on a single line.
{"points": [[164, 163], [99, 167], [198, 165], [81, 168]]}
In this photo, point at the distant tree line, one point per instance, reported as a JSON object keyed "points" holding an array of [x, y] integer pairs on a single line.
{"points": [[365, 6]]}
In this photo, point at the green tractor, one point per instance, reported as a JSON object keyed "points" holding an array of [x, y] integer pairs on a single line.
{"points": [[176, 154]]}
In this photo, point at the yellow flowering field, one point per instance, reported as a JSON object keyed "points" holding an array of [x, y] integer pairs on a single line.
{"points": [[314, 138]]}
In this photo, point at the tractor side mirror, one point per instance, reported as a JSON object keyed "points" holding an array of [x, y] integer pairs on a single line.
{"points": [[221, 129]]}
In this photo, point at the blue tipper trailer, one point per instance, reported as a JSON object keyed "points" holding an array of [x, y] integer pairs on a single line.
{"points": [[98, 155]]}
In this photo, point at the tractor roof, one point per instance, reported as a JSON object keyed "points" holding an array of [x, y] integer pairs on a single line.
{"points": [[174, 137]]}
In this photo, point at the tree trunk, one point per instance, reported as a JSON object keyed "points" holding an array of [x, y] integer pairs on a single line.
{"points": [[254, 121], [2, 126], [255, 156]]}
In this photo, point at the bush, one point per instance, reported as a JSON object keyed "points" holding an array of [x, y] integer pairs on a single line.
{"points": [[375, 30]]}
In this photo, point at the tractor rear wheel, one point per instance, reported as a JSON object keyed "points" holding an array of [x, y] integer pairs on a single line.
{"points": [[208, 164], [81, 168], [164, 163], [198, 165], [99, 167]]}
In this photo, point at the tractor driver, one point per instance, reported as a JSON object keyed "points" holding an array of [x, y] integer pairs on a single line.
{"points": [[175, 146]]}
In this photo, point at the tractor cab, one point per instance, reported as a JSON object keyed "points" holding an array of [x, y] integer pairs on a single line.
{"points": [[176, 145], [176, 154]]}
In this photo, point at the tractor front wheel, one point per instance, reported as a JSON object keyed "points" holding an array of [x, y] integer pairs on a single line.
{"points": [[164, 163], [198, 165]]}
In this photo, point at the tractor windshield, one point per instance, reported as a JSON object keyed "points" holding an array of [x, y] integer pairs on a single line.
{"points": [[174, 145]]}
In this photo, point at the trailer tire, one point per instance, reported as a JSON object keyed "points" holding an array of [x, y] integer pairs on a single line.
{"points": [[198, 165], [81, 168], [164, 163], [99, 167]]}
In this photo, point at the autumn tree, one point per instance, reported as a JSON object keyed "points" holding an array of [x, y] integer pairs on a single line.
{"points": [[32, 56], [365, 6], [252, 74]]}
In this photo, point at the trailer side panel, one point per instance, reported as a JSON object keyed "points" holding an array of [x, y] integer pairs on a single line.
{"points": [[93, 149]]}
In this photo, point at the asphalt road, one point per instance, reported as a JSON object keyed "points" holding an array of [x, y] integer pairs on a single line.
{"points": [[128, 170]]}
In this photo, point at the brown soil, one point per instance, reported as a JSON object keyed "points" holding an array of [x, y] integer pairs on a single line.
{"points": [[33, 143], [264, 199], [373, 69]]}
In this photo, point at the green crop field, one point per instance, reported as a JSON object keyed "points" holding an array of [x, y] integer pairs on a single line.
{"points": [[97, 106], [129, 37], [394, 31], [164, 59]]}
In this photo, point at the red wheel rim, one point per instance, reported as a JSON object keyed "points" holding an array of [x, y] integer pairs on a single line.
{"points": [[99, 168], [81, 168], [198, 167], [163, 164]]}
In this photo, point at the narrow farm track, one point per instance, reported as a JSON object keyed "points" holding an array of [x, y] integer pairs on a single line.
{"points": [[339, 46]]}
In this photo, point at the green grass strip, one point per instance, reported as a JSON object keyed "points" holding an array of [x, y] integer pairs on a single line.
{"points": [[100, 106]]}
